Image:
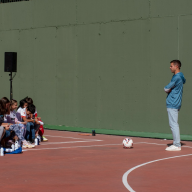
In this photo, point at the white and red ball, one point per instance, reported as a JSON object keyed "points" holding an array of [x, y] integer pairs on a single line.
{"points": [[127, 143]]}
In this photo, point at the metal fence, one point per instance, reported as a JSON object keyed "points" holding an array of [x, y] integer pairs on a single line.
{"points": [[11, 1]]}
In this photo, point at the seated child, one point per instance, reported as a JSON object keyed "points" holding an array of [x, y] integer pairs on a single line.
{"points": [[35, 116], [32, 125], [2, 129], [21, 125], [22, 105], [4, 108]]}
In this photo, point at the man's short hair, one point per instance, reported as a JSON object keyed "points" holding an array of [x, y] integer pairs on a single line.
{"points": [[176, 62], [31, 108]]}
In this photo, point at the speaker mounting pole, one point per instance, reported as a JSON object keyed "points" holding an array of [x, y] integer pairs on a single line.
{"points": [[11, 90]]}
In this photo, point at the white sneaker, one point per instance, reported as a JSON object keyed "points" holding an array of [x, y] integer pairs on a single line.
{"points": [[31, 144], [44, 138], [173, 148]]}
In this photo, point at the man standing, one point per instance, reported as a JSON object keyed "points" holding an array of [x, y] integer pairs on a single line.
{"points": [[173, 102]]}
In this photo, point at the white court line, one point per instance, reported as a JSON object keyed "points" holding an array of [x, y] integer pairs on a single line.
{"points": [[49, 143], [82, 146], [96, 145], [187, 146], [124, 178], [157, 144], [71, 147], [101, 140], [149, 143], [68, 137]]}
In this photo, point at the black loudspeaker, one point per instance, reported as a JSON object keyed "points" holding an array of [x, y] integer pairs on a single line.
{"points": [[10, 62]]}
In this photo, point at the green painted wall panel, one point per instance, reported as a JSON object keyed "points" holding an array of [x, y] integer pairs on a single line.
{"points": [[163, 8], [17, 15], [54, 13], [67, 93], [185, 7], [109, 10], [24, 79], [117, 80], [185, 42], [87, 74], [98, 64], [1, 18]]}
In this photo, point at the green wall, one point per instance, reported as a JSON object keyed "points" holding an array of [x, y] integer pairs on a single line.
{"points": [[99, 63]]}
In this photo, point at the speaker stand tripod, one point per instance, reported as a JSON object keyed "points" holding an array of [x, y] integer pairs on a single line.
{"points": [[11, 90]]}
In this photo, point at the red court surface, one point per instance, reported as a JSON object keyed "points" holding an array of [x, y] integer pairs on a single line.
{"points": [[72, 162]]}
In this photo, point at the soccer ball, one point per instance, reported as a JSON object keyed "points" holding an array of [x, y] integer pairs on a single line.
{"points": [[127, 143]]}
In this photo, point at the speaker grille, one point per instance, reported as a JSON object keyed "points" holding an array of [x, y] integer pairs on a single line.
{"points": [[10, 62]]}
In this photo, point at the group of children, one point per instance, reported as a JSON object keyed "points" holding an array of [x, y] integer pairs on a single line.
{"points": [[20, 124]]}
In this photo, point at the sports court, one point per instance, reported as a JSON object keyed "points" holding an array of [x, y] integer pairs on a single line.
{"points": [[121, 68], [71, 161]]}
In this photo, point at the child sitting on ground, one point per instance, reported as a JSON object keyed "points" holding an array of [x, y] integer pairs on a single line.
{"points": [[32, 124], [35, 116], [13, 116], [22, 125], [2, 129]]}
